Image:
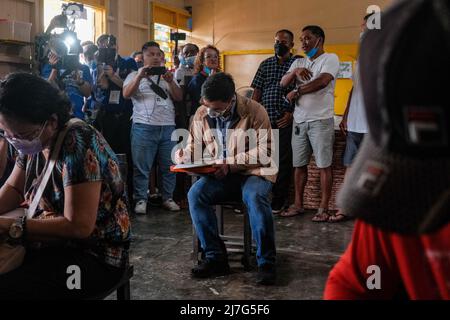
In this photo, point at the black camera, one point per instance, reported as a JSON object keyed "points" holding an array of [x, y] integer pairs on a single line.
{"points": [[70, 62], [177, 36], [112, 41], [155, 71], [67, 47], [107, 56]]}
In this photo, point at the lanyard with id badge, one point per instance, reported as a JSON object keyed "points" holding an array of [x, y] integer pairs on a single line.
{"points": [[114, 97], [161, 95]]}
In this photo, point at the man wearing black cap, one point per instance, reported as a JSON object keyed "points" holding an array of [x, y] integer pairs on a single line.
{"points": [[399, 185]]}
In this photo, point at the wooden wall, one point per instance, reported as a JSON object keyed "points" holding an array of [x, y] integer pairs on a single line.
{"points": [[17, 57], [130, 21], [231, 25], [236, 25], [23, 10]]}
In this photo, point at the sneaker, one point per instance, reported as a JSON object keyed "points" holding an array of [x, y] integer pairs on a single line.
{"points": [[266, 275], [141, 207], [211, 268], [171, 205]]}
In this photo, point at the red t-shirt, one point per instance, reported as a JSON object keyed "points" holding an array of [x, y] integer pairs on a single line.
{"points": [[419, 265]]}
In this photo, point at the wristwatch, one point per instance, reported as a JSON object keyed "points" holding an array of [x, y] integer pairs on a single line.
{"points": [[17, 230]]}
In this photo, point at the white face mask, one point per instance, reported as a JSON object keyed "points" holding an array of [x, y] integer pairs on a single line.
{"points": [[28, 147], [216, 114]]}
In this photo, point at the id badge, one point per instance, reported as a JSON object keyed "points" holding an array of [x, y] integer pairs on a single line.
{"points": [[114, 97], [160, 102]]}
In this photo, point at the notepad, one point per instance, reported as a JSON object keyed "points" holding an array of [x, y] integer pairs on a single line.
{"points": [[196, 168], [191, 166]]}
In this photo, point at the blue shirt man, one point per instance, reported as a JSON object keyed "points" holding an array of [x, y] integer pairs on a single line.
{"points": [[124, 66], [70, 86]]}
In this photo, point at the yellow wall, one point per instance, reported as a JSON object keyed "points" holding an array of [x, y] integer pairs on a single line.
{"points": [[251, 24], [236, 25]]}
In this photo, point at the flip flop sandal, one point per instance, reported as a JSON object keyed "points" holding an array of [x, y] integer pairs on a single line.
{"points": [[338, 218], [292, 212], [322, 215]]}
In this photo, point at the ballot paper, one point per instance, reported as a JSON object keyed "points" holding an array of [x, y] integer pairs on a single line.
{"points": [[192, 166]]}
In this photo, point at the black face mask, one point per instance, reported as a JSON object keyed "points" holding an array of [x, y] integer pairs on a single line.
{"points": [[281, 49]]}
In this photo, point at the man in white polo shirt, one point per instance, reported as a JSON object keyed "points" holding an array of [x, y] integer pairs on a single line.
{"points": [[313, 131], [153, 124]]}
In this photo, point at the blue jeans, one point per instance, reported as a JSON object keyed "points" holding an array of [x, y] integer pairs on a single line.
{"points": [[254, 192], [146, 142]]}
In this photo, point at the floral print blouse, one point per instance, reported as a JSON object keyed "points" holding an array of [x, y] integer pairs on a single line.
{"points": [[85, 157]]}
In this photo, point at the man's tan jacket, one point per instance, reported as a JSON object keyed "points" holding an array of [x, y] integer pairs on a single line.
{"points": [[250, 142]]}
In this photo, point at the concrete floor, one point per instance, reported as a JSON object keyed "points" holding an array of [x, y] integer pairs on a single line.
{"points": [[161, 255]]}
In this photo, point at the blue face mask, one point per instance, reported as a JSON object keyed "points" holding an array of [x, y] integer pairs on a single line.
{"points": [[207, 70], [190, 61], [182, 60], [92, 65], [311, 53]]}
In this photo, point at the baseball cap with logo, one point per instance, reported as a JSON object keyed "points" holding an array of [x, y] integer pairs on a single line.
{"points": [[400, 180]]}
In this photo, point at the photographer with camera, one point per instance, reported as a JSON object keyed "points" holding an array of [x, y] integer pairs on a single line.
{"points": [[114, 118], [65, 72], [113, 68], [116, 112], [92, 105], [153, 91]]}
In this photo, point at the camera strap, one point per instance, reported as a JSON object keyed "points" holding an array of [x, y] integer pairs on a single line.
{"points": [[157, 89]]}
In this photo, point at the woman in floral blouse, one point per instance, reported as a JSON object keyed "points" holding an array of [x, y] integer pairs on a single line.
{"points": [[82, 218]]}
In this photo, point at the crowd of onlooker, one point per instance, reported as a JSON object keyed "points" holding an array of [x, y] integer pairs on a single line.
{"points": [[137, 112], [62, 134]]}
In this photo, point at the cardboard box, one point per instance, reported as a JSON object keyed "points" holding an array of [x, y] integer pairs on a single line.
{"points": [[15, 30]]}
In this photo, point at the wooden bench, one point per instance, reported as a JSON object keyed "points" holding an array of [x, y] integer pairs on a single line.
{"points": [[233, 244]]}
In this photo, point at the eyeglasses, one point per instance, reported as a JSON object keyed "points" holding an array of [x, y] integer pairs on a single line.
{"points": [[30, 135]]}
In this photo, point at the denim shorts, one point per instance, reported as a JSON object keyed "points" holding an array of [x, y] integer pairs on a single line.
{"points": [[313, 137], [354, 141]]}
